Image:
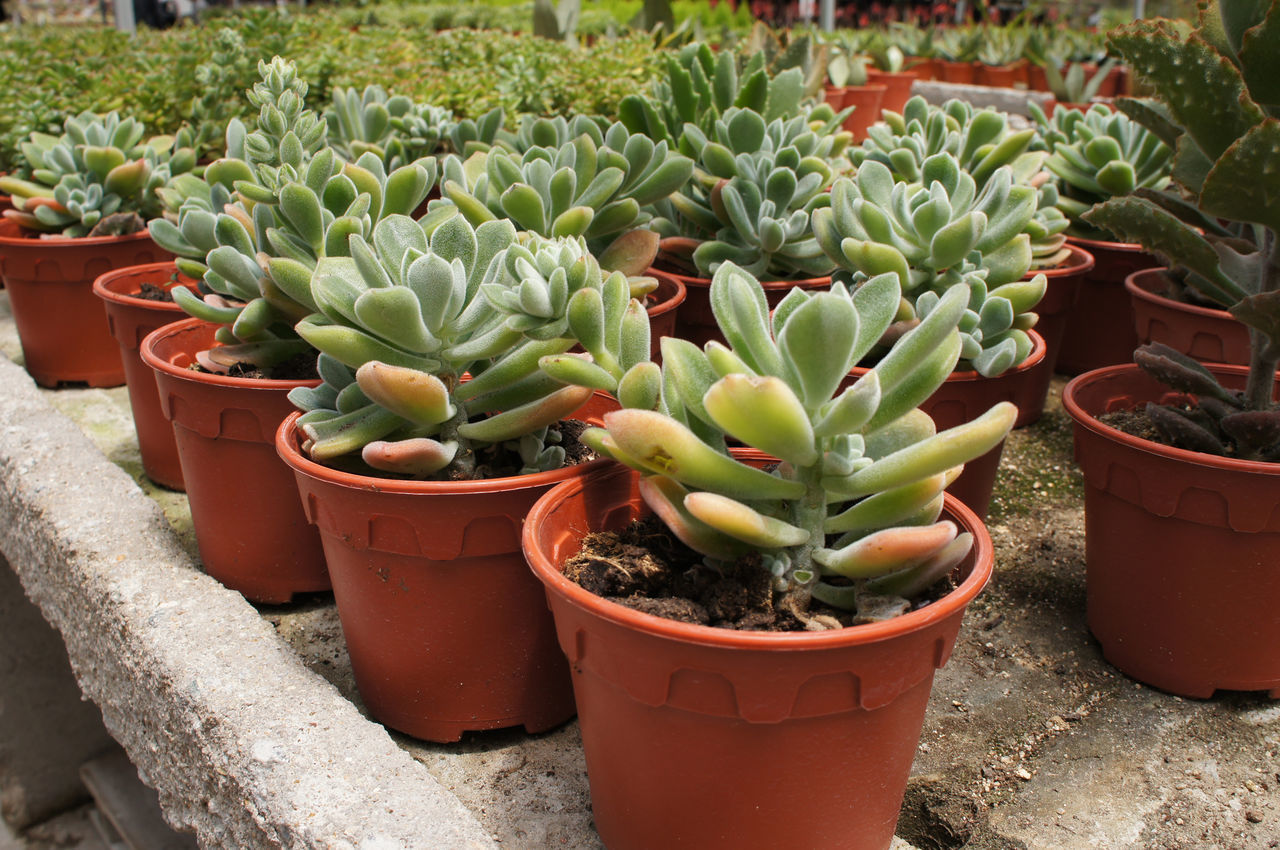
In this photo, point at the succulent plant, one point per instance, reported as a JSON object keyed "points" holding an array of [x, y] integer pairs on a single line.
{"points": [[412, 311], [98, 178], [756, 186], [221, 81], [959, 44], [700, 86], [935, 234], [595, 185], [253, 230], [850, 515], [1100, 154], [472, 135], [372, 120], [1218, 108], [1073, 86], [982, 141], [1000, 46]]}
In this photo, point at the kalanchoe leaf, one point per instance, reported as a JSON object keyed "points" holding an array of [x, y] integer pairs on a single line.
{"points": [[1256, 433], [1261, 312], [1180, 431], [1175, 369], [1238, 187]]}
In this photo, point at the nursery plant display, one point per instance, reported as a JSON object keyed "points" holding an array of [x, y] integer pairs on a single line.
{"points": [[80, 212], [850, 87], [850, 517], [1099, 154], [406, 463], [1218, 425]]}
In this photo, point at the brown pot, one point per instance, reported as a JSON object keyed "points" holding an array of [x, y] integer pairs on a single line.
{"points": [[694, 319], [956, 72], [1100, 327], [923, 69], [1208, 335], [1182, 549], [897, 87], [867, 102], [965, 396], [60, 322], [1059, 300], [130, 319], [252, 533], [1036, 80], [447, 629], [663, 305], [710, 738], [1000, 76]]}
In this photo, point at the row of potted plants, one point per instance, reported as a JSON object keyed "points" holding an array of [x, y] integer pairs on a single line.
{"points": [[446, 340]]}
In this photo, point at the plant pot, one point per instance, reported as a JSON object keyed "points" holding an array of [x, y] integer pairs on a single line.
{"points": [[712, 738], [897, 87], [965, 396], [866, 102], [834, 97], [1182, 549], [130, 319], [1208, 335], [663, 306], [447, 630], [1100, 327], [956, 72], [251, 530], [1036, 79], [60, 322], [1059, 300], [923, 69], [694, 319], [1000, 76]]}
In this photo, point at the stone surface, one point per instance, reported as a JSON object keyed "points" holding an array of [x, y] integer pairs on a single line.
{"points": [[1006, 100], [46, 729]]}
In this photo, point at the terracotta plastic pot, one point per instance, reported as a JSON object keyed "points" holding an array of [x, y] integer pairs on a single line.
{"points": [[1059, 300], [956, 72], [867, 102], [251, 530], [834, 97], [923, 69], [61, 324], [711, 738], [1208, 335], [130, 319], [1100, 326], [1000, 76], [663, 305], [1036, 79], [965, 396], [447, 630], [897, 87], [694, 319], [1182, 548]]}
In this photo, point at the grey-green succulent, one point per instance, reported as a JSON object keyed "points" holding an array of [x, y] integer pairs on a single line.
{"points": [[411, 312], [850, 516]]}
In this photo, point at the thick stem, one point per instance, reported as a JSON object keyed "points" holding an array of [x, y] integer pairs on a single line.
{"points": [[1263, 361], [464, 462], [811, 515]]}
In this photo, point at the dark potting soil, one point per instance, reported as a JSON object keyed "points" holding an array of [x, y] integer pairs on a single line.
{"points": [[646, 568], [300, 367], [151, 292], [1135, 423]]}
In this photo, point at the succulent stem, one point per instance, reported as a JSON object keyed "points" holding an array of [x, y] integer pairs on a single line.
{"points": [[1263, 360]]}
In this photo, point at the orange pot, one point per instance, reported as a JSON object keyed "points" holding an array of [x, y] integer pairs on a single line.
{"points": [[1100, 326], [956, 72], [60, 322], [669, 711], [130, 319], [866, 102], [897, 87], [251, 530], [1208, 335]]}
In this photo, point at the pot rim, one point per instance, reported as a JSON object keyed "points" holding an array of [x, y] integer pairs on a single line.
{"points": [[160, 365], [102, 286], [1088, 420], [1092, 245], [949, 605], [1137, 290], [287, 447], [689, 281], [672, 301], [7, 227], [1080, 261]]}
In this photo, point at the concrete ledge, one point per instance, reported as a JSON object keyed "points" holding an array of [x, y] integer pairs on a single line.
{"points": [[1013, 101], [246, 747]]}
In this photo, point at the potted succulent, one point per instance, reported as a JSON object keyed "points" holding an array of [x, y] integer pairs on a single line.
{"points": [[889, 60], [982, 140], [850, 89], [845, 523], [576, 179], [1169, 310], [83, 212], [432, 434], [1000, 57], [1159, 509], [1099, 154], [251, 236], [957, 51], [933, 235]]}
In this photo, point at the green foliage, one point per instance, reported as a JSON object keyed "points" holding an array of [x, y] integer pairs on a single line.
{"points": [[851, 514], [1218, 105]]}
